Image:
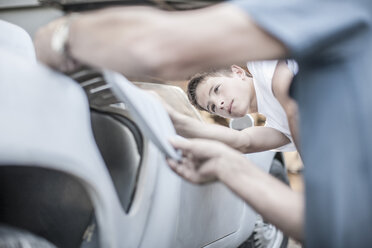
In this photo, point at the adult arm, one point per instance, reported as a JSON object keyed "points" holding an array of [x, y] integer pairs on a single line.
{"points": [[252, 139], [141, 41], [206, 161]]}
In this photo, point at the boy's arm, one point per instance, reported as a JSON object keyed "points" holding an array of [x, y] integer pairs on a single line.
{"points": [[253, 139], [281, 84]]}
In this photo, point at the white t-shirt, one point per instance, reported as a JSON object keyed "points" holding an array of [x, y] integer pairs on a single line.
{"points": [[262, 73]]}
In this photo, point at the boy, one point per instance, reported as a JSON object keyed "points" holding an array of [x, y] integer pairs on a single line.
{"points": [[235, 93]]}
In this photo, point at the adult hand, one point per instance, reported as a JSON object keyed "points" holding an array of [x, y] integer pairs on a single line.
{"points": [[184, 125], [203, 160]]}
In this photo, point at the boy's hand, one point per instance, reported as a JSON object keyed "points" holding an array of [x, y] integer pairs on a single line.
{"points": [[170, 110], [175, 116]]}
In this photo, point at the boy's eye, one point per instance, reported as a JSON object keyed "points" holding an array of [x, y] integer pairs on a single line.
{"points": [[213, 108], [216, 89]]}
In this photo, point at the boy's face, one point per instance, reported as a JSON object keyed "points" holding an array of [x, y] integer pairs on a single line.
{"points": [[226, 96]]}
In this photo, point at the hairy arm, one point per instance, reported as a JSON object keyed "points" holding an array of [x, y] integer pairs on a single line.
{"points": [[253, 139], [143, 41], [205, 161]]}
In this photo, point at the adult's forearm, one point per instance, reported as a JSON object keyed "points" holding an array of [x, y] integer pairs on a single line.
{"points": [[144, 41], [275, 201], [107, 39]]}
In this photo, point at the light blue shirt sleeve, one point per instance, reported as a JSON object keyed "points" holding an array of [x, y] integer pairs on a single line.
{"points": [[306, 27]]}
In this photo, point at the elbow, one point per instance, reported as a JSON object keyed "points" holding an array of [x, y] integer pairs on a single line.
{"points": [[244, 149], [243, 145]]}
